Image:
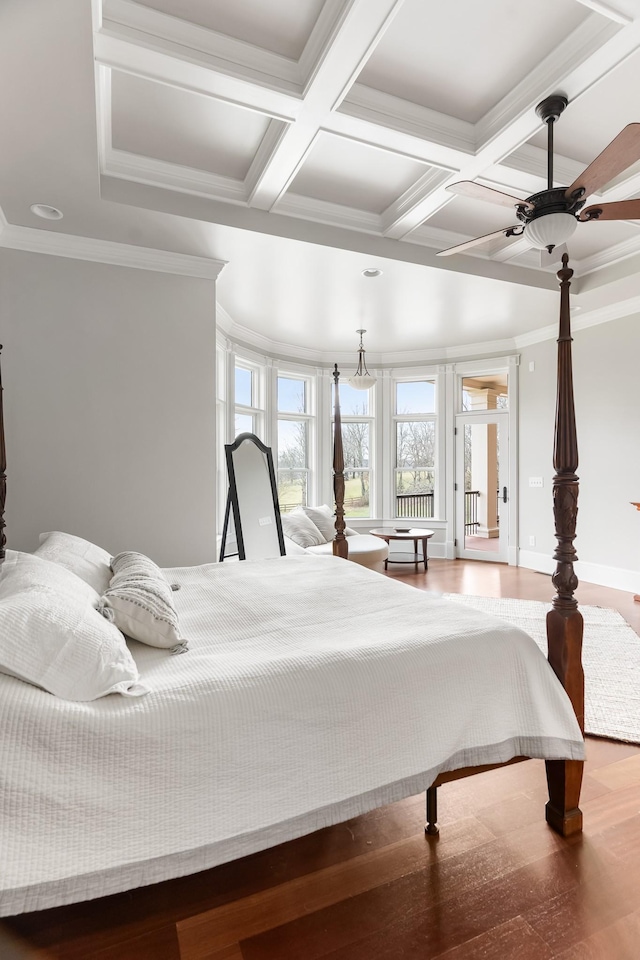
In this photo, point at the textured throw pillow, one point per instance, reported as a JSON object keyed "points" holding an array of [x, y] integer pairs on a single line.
{"points": [[52, 636], [85, 559], [299, 528], [324, 519], [140, 603]]}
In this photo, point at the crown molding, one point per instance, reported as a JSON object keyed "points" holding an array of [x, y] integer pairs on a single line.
{"points": [[421, 123], [154, 172], [606, 258], [262, 344], [135, 21], [431, 179], [435, 237], [532, 162], [143, 56], [610, 10], [613, 311], [326, 27], [323, 211], [556, 69], [32, 240], [268, 145]]}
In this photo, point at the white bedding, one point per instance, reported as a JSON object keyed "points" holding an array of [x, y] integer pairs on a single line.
{"points": [[313, 690]]}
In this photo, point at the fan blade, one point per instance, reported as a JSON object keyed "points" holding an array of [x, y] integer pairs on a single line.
{"points": [[620, 210], [621, 153], [467, 188], [505, 232]]}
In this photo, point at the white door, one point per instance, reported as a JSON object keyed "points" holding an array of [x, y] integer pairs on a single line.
{"points": [[482, 486]]}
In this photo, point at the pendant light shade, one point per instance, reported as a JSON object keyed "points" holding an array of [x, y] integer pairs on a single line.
{"points": [[550, 230], [362, 379]]}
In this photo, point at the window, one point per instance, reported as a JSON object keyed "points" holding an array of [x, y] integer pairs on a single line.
{"points": [[485, 393], [248, 405], [357, 430], [415, 443], [294, 426], [221, 428]]}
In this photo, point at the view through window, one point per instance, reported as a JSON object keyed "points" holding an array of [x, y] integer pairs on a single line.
{"points": [[415, 435], [293, 441]]}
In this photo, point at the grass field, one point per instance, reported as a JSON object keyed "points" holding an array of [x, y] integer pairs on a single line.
{"points": [[290, 496]]}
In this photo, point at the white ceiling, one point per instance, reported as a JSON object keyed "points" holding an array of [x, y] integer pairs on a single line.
{"points": [[304, 142]]}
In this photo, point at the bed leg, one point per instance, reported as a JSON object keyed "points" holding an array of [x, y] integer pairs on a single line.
{"points": [[564, 777], [431, 826]]}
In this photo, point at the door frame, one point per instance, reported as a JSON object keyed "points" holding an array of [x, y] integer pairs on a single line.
{"points": [[483, 417]]}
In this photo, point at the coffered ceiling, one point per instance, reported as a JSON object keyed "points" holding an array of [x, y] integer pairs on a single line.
{"points": [[302, 142]]}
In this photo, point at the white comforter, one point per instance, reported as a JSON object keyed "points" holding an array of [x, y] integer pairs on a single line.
{"points": [[314, 690]]}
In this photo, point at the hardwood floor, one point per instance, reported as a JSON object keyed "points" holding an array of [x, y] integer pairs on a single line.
{"points": [[496, 884]]}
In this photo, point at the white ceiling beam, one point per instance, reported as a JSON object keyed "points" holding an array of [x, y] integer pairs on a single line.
{"points": [[151, 62], [320, 93], [146, 26], [576, 64], [338, 64], [618, 12]]}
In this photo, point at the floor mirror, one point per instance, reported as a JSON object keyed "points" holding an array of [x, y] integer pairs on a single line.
{"points": [[252, 515]]}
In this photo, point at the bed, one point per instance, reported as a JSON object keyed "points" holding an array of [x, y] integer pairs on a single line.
{"points": [[313, 690]]}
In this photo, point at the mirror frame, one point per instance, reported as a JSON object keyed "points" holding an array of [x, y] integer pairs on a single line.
{"points": [[232, 497]]}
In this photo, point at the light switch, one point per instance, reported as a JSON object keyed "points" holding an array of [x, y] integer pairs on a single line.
{"points": [[536, 482]]}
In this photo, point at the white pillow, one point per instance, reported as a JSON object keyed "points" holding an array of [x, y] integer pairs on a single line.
{"points": [[140, 602], [293, 549], [299, 528], [52, 635], [324, 520], [85, 559]]}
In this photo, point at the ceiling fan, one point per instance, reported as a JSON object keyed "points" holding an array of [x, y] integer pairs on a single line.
{"points": [[549, 218]]}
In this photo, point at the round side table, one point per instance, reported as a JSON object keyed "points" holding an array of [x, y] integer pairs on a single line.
{"points": [[408, 534]]}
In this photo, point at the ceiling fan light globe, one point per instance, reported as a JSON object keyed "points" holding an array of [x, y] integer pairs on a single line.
{"points": [[550, 230], [362, 381]]}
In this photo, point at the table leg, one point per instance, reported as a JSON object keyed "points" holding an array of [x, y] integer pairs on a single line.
{"points": [[424, 552], [415, 554]]}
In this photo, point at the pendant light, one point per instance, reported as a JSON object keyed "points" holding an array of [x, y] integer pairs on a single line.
{"points": [[362, 379]]}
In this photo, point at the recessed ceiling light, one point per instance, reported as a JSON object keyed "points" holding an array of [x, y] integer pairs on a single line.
{"points": [[371, 272], [46, 211]]}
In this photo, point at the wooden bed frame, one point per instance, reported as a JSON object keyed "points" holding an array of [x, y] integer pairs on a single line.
{"points": [[564, 631], [564, 621]]}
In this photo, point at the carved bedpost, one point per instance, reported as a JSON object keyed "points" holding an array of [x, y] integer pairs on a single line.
{"points": [[3, 473], [340, 545], [564, 621]]}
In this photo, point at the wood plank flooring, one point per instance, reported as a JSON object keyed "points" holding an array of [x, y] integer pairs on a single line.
{"points": [[496, 884]]}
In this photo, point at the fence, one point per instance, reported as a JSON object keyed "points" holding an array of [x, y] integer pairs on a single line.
{"points": [[471, 523], [418, 505]]}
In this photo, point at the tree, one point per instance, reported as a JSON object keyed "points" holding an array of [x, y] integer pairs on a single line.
{"points": [[292, 458], [415, 455], [355, 444]]}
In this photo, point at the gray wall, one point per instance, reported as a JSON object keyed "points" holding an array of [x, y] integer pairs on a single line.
{"points": [[606, 378], [109, 377]]}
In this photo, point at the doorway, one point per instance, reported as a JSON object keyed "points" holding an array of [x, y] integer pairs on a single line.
{"points": [[482, 486]]}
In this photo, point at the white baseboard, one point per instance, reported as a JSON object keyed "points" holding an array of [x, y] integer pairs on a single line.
{"points": [[616, 577]]}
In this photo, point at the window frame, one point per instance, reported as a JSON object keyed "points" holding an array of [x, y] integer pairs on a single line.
{"points": [[308, 417], [430, 417], [371, 419], [256, 410]]}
